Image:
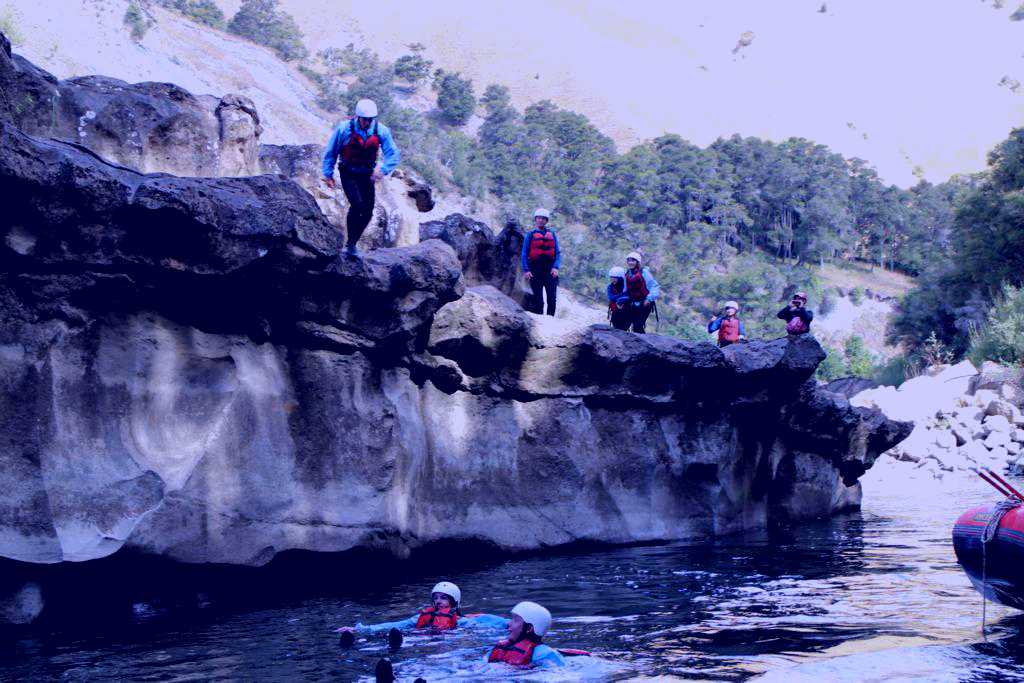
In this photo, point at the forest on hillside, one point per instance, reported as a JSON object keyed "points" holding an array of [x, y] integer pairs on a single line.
{"points": [[743, 218]]}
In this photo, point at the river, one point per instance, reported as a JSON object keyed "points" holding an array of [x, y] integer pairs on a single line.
{"points": [[875, 595]]}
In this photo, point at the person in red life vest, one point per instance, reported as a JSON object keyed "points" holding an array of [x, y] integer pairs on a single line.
{"points": [[643, 291], [357, 142], [541, 259], [618, 299], [797, 316], [524, 645], [442, 614], [730, 329]]}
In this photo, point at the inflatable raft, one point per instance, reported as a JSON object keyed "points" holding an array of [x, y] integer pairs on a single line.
{"points": [[989, 544]]}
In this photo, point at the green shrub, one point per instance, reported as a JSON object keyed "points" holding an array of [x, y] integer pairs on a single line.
{"points": [[9, 26], [136, 21], [263, 23], [1001, 337], [204, 11], [827, 304], [833, 367], [856, 296], [859, 361], [455, 96], [413, 68], [896, 371]]}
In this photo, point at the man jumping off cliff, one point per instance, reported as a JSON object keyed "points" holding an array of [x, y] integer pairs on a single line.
{"points": [[541, 259], [356, 141]]}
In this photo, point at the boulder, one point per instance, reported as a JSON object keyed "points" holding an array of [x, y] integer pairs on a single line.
{"points": [[486, 259], [1013, 447], [945, 439], [848, 387], [983, 397], [993, 376], [1007, 410], [998, 423], [23, 605], [996, 439]]}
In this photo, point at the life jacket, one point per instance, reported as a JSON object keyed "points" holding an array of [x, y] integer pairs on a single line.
{"points": [[729, 330], [359, 153], [441, 619], [518, 654], [617, 291], [542, 247], [636, 286], [796, 325]]}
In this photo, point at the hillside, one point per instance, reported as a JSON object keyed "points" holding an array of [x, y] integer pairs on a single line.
{"points": [[743, 218]]}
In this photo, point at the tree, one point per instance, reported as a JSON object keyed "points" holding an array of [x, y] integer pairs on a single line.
{"points": [[413, 68], [262, 22], [204, 11], [455, 96], [136, 21]]}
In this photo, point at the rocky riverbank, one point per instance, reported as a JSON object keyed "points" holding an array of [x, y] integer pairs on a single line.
{"points": [[188, 369]]}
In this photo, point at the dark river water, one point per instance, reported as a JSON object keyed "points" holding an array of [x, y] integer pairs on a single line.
{"points": [[873, 596]]}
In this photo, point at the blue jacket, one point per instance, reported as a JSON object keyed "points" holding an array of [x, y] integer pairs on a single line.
{"points": [[542, 656], [717, 322], [474, 621], [526, 250], [622, 296], [341, 136], [653, 288]]}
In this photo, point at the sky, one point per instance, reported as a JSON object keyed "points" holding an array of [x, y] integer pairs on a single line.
{"points": [[900, 83]]}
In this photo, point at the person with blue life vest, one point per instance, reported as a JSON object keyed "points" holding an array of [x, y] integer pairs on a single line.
{"points": [[524, 646], [354, 148], [643, 291], [541, 259], [444, 613], [730, 329], [618, 298]]}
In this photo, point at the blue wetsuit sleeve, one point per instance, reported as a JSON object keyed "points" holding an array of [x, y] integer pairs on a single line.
{"points": [[558, 252], [546, 656], [386, 626], [332, 151], [392, 155], [743, 330], [485, 621], [714, 325], [653, 288], [526, 251]]}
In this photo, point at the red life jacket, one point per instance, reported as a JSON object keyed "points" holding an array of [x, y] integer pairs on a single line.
{"points": [[542, 247], [636, 285], [617, 291], [441, 619], [730, 330], [519, 653], [358, 152]]}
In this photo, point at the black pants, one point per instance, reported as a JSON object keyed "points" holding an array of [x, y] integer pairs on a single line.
{"points": [[541, 282], [722, 343], [359, 191], [621, 318], [638, 317]]}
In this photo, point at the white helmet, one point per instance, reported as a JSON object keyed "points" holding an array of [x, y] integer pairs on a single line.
{"points": [[449, 589], [731, 304], [635, 255], [534, 615], [617, 271], [367, 109], [542, 213]]}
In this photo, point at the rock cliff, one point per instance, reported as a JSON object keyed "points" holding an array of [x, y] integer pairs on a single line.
{"points": [[187, 368]]}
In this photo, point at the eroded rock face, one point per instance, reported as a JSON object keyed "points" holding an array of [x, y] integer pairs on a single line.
{"points": [[150, 127], [187, 368]]}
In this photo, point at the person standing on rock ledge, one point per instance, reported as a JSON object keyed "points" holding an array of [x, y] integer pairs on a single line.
{"points": [[357, 142], [730, 329], [643, 291], [541, 259], [797, 316]]}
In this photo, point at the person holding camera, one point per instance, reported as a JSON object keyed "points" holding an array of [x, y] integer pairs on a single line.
{"points": [[797, 316], [730, 329]]}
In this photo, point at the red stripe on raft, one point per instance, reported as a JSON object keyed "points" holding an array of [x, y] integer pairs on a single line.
{"points": [[979, 516], [574, 653]]}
